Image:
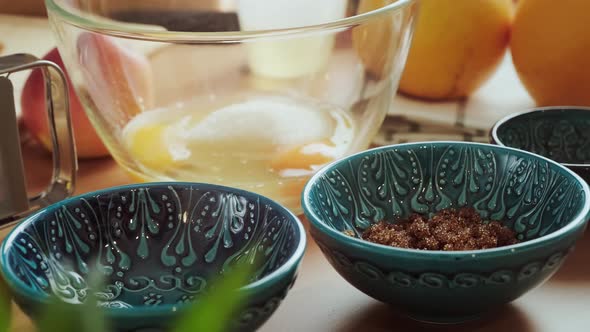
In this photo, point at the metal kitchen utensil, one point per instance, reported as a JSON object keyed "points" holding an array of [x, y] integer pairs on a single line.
{"points": [[14, 203]]}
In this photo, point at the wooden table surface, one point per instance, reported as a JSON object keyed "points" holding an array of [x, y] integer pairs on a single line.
{"points": [[321, 300]]}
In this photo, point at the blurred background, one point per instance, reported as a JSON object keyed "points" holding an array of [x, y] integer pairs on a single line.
{"points": [[457, 95], [23, 7]]}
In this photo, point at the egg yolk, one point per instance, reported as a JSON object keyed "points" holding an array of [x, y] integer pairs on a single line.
{"points": [[148, 146], [303, 157]]}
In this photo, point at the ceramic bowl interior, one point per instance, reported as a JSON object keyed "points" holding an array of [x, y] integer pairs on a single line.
{"points": [[532, 196], [158, 245], [561, 134], [543, 202]]}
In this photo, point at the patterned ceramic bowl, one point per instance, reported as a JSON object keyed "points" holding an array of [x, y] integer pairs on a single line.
{"points": [[159, 245], [558, 133], [546, 204]]}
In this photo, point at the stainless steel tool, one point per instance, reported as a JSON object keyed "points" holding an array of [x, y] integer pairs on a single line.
{"points": [[14, 202]]}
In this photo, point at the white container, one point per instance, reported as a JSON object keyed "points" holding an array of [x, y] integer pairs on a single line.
{"points": [[289, 57]]}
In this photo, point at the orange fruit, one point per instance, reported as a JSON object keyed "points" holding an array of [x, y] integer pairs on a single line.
{"points": [[373, 40], [551, 50], [457, 46]]}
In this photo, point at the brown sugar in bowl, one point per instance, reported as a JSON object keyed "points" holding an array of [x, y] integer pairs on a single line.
{"points": [[448, 230], [545, 204]]}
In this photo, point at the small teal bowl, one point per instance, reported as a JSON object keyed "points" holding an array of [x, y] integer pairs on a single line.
{"points": [[546, 204], [159, 245], [558, 133]]}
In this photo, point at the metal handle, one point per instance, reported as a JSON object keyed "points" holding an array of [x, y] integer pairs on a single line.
{"points": [[64, 153]]}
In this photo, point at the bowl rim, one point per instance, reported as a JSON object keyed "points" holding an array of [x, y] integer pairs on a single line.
{"points": [[90, 22], [546, 109], [268, 281], [577, 221]]}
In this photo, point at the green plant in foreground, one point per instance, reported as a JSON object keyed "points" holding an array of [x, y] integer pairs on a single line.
{"points": [[64, 317], [4, 311], [212, 312]]}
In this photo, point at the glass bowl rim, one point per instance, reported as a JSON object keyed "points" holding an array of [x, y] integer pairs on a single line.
{"points": [[93, 23]]}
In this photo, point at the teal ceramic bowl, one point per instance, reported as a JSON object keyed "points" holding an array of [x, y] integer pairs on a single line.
{"points": [[158, 245], [546, 204], [558, 133]]}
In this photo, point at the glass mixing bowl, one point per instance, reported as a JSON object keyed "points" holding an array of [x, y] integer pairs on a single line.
{"points": [[252, 94]]}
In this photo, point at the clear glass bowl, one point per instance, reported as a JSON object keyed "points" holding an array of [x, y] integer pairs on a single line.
{"points": [[254, 94]]}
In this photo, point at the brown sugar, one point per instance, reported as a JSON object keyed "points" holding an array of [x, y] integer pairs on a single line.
{"points": [[448, 230]]}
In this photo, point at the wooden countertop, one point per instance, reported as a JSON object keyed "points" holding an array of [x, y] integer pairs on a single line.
{"points": [[321, 300]]}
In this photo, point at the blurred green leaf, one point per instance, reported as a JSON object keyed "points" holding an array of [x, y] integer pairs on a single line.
{"points": [[93, 316], [213, 311], [57, 316], [4, 309], [64, 317]]}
